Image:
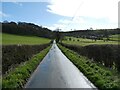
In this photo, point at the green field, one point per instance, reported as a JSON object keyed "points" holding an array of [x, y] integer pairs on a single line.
{"points": [[8, 39], [84, 42], [115, 37]]}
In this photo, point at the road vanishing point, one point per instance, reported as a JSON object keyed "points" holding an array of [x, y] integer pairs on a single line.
{"points": [[57, 71]]}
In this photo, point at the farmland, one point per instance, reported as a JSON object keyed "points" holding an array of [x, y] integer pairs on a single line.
{"points": [[84, 42], [24, 45], [97, 59], [101, 51], [17, 49], [115, 37], [21, 56], [52, 44], [10, 39]]}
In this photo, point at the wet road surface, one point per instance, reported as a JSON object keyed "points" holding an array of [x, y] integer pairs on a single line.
{"points": [[57, 71]]}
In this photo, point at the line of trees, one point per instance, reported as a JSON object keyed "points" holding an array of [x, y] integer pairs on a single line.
{"points": [[97, 34], [23, 28]]}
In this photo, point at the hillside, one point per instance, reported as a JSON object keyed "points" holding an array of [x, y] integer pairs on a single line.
{"points": [[88, 33], [23, 28], [8, 39]]}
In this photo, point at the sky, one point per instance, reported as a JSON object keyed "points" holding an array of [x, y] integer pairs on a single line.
{"points": [[66, 15]]}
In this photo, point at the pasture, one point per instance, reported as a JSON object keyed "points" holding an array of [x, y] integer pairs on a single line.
{"points": [[85, 42], [10, 39]]}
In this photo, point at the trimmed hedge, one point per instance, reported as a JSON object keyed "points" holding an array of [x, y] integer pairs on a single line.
{"points": [[101, 77], [13, 55], [19, 76], [107, 54]]}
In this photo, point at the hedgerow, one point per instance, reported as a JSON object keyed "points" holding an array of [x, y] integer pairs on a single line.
{"points": [[101, 77], [13, 55], [20, 75], [107, 54]]}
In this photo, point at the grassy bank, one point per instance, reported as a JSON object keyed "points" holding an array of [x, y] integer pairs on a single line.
{"points": [[100, 76], [8, 39], [19, 76]]}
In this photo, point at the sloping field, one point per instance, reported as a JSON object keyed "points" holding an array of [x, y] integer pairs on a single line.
{"points": [[8, 39]]}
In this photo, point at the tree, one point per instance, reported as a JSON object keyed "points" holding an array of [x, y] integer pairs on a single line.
{"points": [[23, 28], [57, 35], [70, 39], [106, 35]]}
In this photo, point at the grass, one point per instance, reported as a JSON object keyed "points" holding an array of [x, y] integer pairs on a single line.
{"points": [[115, 37], [85, 42], [8, 39], [19, 76], [99, 75]]}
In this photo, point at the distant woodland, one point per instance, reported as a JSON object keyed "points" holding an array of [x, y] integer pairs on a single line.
{"points": [[23, 28]]}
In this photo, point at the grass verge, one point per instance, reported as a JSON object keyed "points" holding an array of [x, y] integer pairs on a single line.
{"points": [[100, 76], [18, 77]]}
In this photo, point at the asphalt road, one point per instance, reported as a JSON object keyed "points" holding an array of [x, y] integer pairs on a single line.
{"points": [[57, 71]]}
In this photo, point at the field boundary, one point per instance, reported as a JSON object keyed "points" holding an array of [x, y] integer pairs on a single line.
{"points": [[18, 77], [101, 77]]}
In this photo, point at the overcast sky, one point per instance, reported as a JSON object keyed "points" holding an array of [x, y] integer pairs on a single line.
{"points": [[63, 14]]}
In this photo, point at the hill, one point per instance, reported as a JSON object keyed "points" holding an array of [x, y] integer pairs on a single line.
{"points": [[23, 28], [8, 39]]}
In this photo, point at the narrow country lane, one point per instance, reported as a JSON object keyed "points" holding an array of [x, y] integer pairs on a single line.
{"points": [[57, 71]]}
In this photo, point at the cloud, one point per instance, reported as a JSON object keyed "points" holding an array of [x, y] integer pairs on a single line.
{"points": [[17, 3], [50, 27], [81, 23], [63, 7], [3, 14], [67, 24], [76, 20], [25, 0], [56, 26], [88, 8]]}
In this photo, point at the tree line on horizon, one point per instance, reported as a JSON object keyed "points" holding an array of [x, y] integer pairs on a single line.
{"points": [[98, 34], [30, 29]]}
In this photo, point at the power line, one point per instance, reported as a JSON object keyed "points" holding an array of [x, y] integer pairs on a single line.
{"points": [[74, 15]]}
